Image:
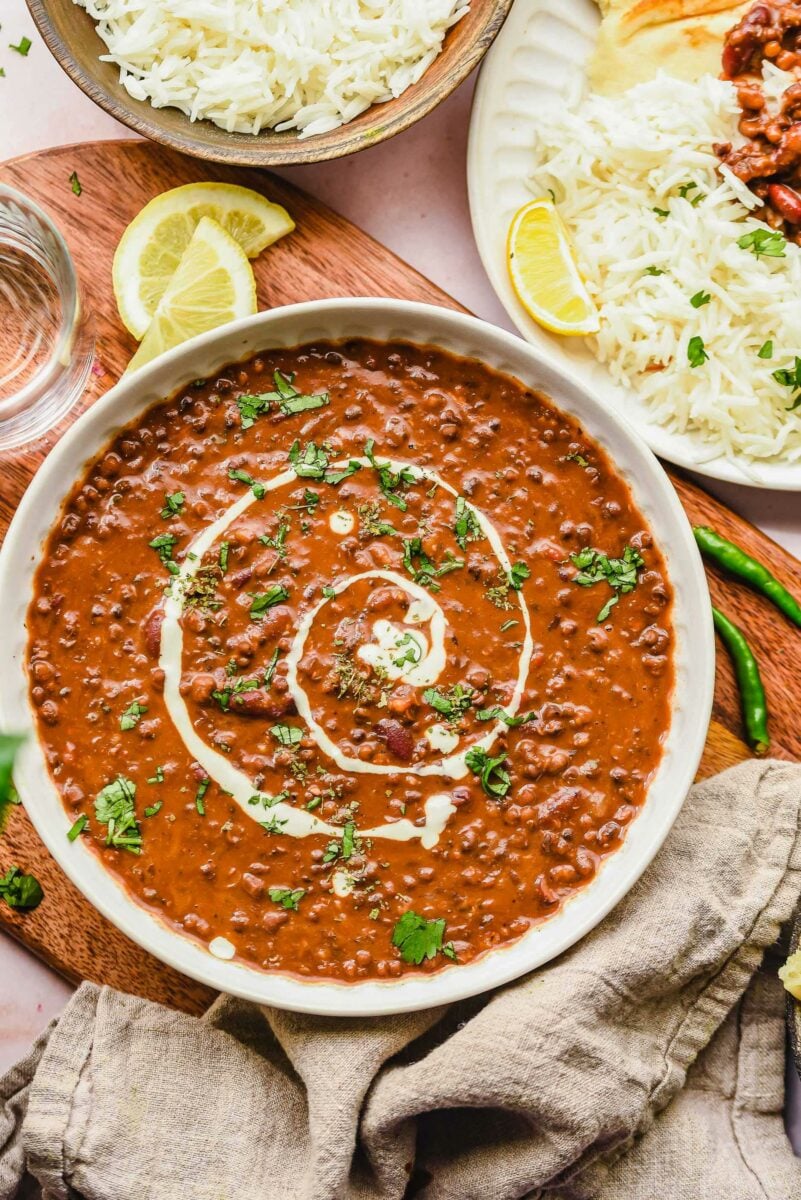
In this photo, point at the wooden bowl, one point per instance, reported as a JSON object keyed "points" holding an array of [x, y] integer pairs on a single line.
{"points": [[793, 1005], [70, 34]]}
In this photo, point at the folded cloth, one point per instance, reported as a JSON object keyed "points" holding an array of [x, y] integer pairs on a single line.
{"points": [[645, 1062]]}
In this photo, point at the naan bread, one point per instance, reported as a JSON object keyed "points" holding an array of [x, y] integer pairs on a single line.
{"points": [[639, 37]]}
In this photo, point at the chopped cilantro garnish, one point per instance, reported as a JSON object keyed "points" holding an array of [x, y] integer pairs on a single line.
{"points": [[450, 704], [20, 890], [518, 575], [285, 396], [261, 601], [765, 350], [700, 299], [223, 560], [240, 476], [313, 464], [578, 458], [388, 480], [494, 777], [696, 353], [421, 568], [164, 545], [278, 541], [410, 650], [132, 716], [114, 808], [763, 243], [152, 809], [687, 188], [9, 745], [662, 212], [619, 573], [173, 503], [274, 825], [268, 801], [77, 829], [467, 527], [75, 184], [418, 938], [508, 625], [287, 735], [654, 270], [202, 788], [270, 668], [158, 777], [315, 802], [343, 848], [286, 897], [328, 591], [500, 714], [23, 47], [790, 377]]}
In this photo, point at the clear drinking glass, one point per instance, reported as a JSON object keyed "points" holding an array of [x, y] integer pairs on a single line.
{"points": [[46, 339]]}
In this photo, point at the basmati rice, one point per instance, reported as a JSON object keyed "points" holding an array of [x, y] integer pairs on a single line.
{"points": [[248, 65], [615, 165]]}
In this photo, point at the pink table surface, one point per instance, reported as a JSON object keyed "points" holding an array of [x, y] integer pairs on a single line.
{"points": [[410, 194]]}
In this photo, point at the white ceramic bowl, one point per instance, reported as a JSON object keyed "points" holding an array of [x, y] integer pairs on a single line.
{"points": [[385, 320]]}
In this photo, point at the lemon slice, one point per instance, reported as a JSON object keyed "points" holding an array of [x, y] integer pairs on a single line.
{"points": [[149, 251], [544, 273], [213, 284]]}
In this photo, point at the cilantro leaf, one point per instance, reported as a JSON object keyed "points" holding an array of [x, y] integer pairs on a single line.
{"points": [[262, 601], [240, 476], [287, 735], [173, 503], [132, 716], [790, 377], [700, 299], [467, 527], [77, 828], [494, 777], [20, 890], [421, 568], [344, 848], [765, 350], [620, 573], [450, 704], [696, 352], [9, 745], [518, 575], [313, 464], [419, 939], [388, 480], [164, 545], [286, 897], [763, 243], [114, 807]]}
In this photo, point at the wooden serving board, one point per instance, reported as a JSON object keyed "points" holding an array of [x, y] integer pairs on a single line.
{"points": [[325, 256]]}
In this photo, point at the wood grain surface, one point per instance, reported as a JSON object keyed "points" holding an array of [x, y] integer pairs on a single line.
{"points": [[325, 256]]}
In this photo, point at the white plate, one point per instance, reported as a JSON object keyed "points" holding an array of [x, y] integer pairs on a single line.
{"points": [[541, 52], [386, 320]]}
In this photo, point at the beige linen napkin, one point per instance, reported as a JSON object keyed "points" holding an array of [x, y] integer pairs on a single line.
{"points": [[645, 1063]]}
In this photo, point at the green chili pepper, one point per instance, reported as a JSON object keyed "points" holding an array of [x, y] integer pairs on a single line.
{"points": [[737, 562], [752, 693]]}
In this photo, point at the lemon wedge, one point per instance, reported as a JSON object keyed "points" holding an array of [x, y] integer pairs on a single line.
{"points": [[790, 974], [212, 284], [149, 251], [544, 273]]}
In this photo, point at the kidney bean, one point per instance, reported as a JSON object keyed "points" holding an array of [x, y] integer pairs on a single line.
{"points": [[786, 201]]}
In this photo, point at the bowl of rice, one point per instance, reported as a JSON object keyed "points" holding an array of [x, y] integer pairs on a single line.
{"points": [[268, 82]]}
